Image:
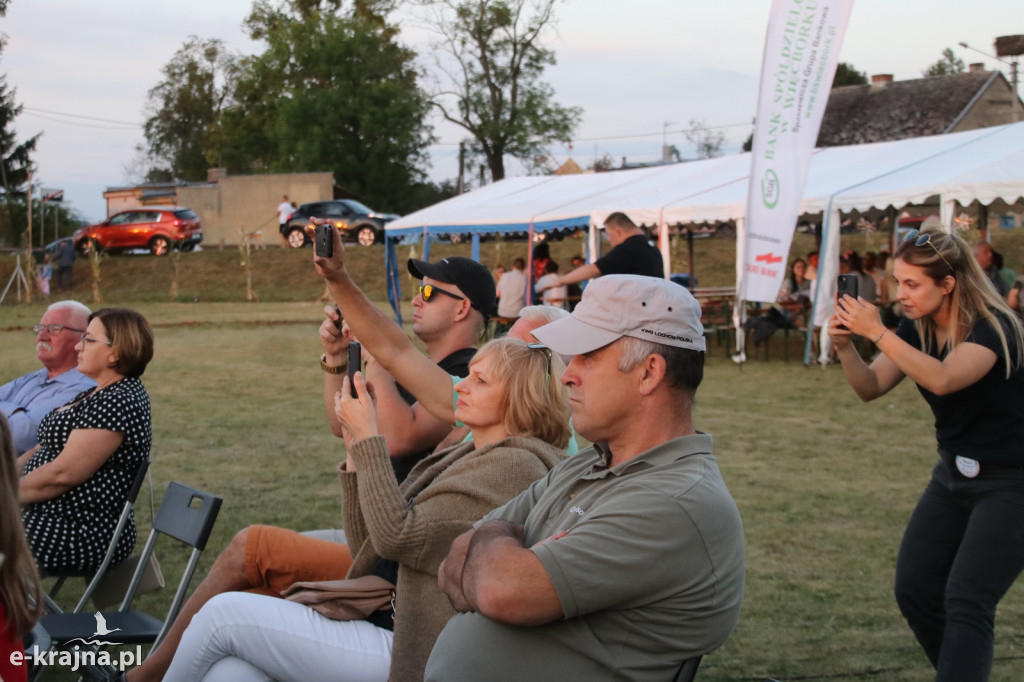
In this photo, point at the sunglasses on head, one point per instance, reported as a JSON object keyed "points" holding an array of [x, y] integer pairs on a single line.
{"points": [[427, 292], [544, 349], [920, 239]]}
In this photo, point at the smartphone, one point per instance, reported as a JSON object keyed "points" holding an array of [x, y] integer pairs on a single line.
{"points": [[324, 240], [847, 284], [355, 364]]}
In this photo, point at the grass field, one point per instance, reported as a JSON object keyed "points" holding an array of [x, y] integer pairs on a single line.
{"points": [[824, 482]]}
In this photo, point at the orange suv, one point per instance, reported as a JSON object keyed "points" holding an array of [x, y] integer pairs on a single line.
{"points": [[157, 228]]}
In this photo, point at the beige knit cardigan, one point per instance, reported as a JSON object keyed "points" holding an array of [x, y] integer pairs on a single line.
{"points": [[415, 524]]}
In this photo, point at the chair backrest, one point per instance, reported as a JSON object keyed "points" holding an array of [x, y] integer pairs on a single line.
{"points": [[97, 576], [188, 515], [688, 670]]}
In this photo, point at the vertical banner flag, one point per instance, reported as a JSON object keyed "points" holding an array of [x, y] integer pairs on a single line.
{"points": [[800, 55]]}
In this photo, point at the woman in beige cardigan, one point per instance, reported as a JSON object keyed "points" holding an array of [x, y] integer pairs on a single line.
{"points": [[518, 415]]}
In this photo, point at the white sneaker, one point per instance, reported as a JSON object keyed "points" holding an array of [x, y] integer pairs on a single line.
{"points": [[739, 358]]}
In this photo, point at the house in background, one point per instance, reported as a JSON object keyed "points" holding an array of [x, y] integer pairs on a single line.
{"points": [[230, 206], [886, 110]]}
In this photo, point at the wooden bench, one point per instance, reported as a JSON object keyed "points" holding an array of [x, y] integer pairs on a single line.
{"points": [[716, 305]]}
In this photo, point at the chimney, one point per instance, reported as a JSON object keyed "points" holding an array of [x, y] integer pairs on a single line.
{"points": [[977, 67], [881, 78]]}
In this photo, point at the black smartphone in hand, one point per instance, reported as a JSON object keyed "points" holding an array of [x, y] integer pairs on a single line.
{"points": [[324, 242], [355, 364], [847, 284]]}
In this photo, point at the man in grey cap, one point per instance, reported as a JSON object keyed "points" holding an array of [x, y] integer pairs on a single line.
{"points": [[626, 559]]}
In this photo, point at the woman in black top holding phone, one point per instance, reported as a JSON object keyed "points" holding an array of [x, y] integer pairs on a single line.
{"points": [[964, 348]]}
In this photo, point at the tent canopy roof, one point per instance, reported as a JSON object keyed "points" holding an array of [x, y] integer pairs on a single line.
{"points": [[978, 165]]}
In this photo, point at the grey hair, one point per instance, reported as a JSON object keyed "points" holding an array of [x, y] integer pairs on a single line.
{"points": [[547, 313], [684, 368], [74, 308]]}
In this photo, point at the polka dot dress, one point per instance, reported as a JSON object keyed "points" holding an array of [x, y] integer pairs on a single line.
{"points": [[72, 530]]}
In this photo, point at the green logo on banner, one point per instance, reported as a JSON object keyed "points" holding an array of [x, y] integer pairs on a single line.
{"points": [[770, 190]]}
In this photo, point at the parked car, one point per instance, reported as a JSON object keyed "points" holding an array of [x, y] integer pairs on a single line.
{"points": [[356, 222], [157, 228]]}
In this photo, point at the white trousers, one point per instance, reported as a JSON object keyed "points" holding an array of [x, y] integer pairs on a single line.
{"points": [[241, 636]]}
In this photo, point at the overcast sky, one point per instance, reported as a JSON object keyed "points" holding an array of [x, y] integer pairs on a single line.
{"points": [[82, 71]]}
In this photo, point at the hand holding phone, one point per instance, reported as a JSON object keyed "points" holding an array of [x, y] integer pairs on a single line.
{"points": [[355, 364], [846, 285], [324, 242]]}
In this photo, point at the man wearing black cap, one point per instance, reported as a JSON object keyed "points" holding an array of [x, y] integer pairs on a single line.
{"points": [[449, 311]]}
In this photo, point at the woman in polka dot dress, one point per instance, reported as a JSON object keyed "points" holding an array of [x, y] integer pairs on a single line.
{"points": [[74, 483]]}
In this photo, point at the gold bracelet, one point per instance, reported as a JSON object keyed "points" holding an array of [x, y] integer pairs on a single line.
{"points": [[884, 332], [331, 369]]}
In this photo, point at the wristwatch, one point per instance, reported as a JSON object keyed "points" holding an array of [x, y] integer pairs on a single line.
{"points": [[331, 369]]}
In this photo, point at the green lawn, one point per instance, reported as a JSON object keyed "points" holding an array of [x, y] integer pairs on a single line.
{"points": [[824, 482]]}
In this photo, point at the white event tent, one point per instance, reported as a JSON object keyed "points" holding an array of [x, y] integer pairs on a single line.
{"points": [[980, 165]]}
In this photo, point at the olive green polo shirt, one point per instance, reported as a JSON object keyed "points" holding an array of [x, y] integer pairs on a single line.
{"points": [[650, 573]]}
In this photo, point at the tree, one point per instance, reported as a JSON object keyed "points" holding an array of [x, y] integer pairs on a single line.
{"points": [[185, 110], [15, 161], [846, 74], [708, 143], [490, 60], [949, 64], [334, 90]]}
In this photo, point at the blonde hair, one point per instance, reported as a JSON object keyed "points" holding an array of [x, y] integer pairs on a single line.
{"points": [[534, 401], [974, 298], [20, 593]]}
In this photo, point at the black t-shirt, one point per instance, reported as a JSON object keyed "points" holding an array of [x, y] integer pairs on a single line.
{"points": [[632, 257], [984, 421], [456, 364]]}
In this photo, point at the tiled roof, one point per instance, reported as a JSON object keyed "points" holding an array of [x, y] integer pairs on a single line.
{"points": [[897, 110]]}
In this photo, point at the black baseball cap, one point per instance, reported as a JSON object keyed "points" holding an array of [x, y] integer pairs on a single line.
{"points": [[472, 278]]}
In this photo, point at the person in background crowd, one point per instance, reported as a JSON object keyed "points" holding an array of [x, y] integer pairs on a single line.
{"points": [[866, 283], [511, 290], [29, 398], [284, 212], [65, 254], [551, 292], [1006, 273], [984, 254], [964, 348], [44, 275], [575, 290], [630, 254]]}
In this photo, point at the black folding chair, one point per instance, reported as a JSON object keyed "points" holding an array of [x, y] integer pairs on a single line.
{"points": [[688, 670], [185, 514], [97, 575]]}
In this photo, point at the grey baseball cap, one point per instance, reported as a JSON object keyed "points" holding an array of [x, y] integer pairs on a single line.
{"points": [[614, 306]]}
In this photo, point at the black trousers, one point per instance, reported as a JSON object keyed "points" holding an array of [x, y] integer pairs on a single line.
{"points": [[961, 552]]}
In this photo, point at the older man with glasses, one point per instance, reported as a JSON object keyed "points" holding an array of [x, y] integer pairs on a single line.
{"points": [[27, 399]]}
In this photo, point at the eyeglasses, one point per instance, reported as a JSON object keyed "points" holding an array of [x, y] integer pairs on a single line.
{"points": [[922, 238], [427, 291], [54, 329], [544, 349], [88, 339]]}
